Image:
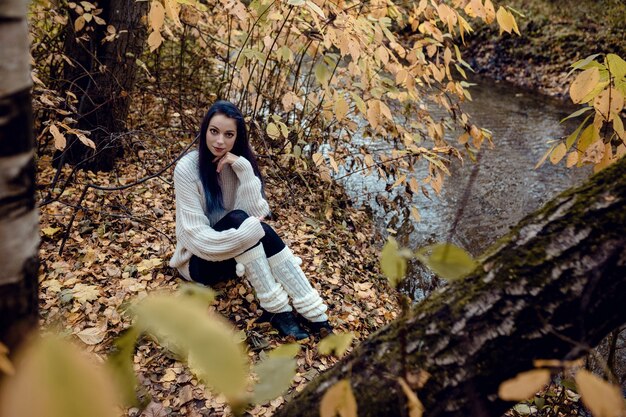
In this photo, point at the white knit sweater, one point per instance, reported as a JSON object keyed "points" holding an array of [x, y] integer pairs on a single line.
{"points": [[241, 189]]}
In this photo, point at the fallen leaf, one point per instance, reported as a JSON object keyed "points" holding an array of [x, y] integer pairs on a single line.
{"points": [[93, 335]]}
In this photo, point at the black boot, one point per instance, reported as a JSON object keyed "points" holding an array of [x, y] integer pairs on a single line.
{"points": [[320, 328], [287, 325]]}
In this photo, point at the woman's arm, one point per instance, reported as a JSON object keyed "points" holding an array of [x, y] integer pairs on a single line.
{"points": [[193, 229], [249, 197]]}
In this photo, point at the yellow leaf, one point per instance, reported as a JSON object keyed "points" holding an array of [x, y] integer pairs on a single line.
{"points": [[490, 12], [584, 84], [79, 23], [85, 140], [147, 265], [609, 103], [413, 185], [341, 108], [382, 54], [401, 179], [506, 21], [594, 153], [373, 113], [384, 110], [415, 214], [339, 400], [392, 262], [336, 342], [93, 335], [524, 385], [558, 153], [156, 16], [360, 104], [272, 130], [333, 163], [572, 159], [84, 292], [475, 8], [318, 159], [172, 8], [447, 260], [155, 40], [207, 340], [600, 397], [60, 381], [59, 138], [416, 408], [50, 231]]}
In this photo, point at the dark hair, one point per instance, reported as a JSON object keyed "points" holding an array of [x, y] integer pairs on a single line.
{"points": [[208, 173]]}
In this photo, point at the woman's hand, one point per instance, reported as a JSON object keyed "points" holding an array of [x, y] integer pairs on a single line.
{"points": [[228, 158]]}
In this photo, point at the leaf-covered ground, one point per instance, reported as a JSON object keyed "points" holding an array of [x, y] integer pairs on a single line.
{"points": [[119, 245]]}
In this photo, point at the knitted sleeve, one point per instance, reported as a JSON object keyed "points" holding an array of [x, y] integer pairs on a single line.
{"points": [[249, 197], [193, 230]]}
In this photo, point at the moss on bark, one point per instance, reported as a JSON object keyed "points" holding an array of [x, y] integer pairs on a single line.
{"points": [[550, 289]]}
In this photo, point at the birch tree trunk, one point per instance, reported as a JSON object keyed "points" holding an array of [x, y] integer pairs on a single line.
{"points": [[19, 236], [551, 289]]}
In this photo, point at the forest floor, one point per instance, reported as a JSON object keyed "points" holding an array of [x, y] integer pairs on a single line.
{"points": [[119, 246]]}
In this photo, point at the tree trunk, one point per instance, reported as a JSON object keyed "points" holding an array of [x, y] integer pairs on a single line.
{"points": [[551, 289], [102, 79], [19, 235]]}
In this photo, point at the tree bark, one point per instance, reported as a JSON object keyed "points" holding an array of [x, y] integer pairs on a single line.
{"points": [[551, 289], [19, 235], [102, 78]]}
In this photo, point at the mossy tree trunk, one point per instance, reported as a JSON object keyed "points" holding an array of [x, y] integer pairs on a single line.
{"points": [[102, 76], [551, 289], [19, 235]]}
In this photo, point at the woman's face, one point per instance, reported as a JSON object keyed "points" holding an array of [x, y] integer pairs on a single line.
{"points": [[221, 135]]}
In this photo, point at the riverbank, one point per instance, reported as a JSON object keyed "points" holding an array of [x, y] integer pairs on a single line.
{"points": [[553, 36]]}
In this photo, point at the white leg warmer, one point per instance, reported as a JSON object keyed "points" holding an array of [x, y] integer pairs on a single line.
{"points": [[272, 296], [306, 300]]}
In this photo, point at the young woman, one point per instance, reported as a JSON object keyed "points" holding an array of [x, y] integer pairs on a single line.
{"points": [[220, 208]]}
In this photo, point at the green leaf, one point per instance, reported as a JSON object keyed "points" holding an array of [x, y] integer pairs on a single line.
{"points": [[360, 104], [55, 379], [289, 350], [200, 293], [275, 375], [207, 340], [616, 65], [392, 263], [582, 63], [336, 342], [272, 130], [322, 73], [571, 139], [523, 409], [120, 362], [447, 260], [296, 2], [577, 113]]}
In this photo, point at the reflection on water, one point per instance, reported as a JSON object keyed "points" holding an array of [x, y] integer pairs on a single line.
{"points": [[507, 187]]}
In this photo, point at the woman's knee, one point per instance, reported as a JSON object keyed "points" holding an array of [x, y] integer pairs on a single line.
{"points": [[232, 219], [272, 243]]}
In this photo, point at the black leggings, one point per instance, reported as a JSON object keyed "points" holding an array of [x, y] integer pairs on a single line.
{"points": [[212, 272]]}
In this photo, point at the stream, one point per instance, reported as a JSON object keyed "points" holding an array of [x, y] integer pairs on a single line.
{"points": [[506, 187]]}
